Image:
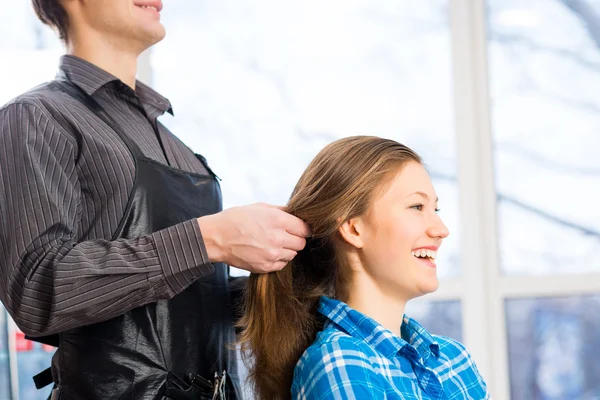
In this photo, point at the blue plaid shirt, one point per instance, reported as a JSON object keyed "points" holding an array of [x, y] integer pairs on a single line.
{"points": [[354, 357]]}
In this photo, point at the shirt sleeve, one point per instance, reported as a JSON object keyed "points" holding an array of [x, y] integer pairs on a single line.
{"points": [[51, 282], [336, 370]]}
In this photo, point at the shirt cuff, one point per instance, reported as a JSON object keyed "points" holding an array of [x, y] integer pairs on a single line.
{"points": [[182, 255]]}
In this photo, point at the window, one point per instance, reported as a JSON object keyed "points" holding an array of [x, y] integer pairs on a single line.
{"points": [[560, 337], [545, 87], [4, 357], [544, 79], [438, 317], [29, 52]]}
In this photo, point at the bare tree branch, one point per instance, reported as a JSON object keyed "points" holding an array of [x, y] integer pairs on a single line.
{"points": [[588, 15], [526, 80], [529, 208], [587, 106], [530, 45], [548, 216], [546, 162]]}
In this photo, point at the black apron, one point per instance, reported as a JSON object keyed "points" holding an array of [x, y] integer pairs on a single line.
{"points": [[180, 348]]}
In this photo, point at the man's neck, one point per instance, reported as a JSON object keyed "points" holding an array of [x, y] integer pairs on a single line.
{"points": [[112, 58]]}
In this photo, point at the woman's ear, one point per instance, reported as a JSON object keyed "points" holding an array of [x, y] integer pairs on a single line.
{"points": [[352, 231]]}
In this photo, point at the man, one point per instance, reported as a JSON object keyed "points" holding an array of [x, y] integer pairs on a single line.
{"points": [[113, 244]]}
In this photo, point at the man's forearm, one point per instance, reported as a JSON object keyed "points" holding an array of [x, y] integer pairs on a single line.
{"points": [[80, 284]]}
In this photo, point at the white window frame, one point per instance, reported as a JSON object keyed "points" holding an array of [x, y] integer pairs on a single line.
{"points": [[482, 288]]}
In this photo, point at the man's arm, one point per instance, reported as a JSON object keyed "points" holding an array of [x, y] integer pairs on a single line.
{"points": [[50, 282]]}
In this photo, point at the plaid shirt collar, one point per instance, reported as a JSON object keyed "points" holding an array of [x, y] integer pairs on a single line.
{"points": [[416, 343]]}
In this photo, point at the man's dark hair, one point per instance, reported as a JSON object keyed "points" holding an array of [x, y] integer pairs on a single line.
{"points": [[52, 13]]}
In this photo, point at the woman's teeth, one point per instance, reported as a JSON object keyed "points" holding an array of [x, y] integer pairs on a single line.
{"points": [[424, 253]]}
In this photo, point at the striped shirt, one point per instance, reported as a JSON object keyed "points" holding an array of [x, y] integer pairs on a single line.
{"points": [[354, 357], [65, 179]]}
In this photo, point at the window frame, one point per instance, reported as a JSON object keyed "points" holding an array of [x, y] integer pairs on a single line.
{"points": [[483, 305]]}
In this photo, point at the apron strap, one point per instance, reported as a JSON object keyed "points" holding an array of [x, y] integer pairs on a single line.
{"points": [[68, 87], [43, 379]]}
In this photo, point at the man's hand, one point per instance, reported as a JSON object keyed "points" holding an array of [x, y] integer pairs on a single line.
{"points": [[258, 238]]}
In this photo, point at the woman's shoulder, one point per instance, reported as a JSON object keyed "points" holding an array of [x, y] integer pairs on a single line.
{"points": [[458, 362], [451, 351], [333, 347], [450, 347], [332, 340], [335, 362]]}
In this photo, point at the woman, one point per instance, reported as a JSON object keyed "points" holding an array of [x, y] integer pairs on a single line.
{"points": [[330, 325]]}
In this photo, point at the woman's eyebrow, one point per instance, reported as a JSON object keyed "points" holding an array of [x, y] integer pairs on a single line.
{"points": [[425, 195]]}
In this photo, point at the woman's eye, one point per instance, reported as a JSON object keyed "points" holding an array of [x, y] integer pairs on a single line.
{"points": [[417, 207]]}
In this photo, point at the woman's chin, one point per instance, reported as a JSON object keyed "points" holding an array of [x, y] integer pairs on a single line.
{"points": [[429, 286]]}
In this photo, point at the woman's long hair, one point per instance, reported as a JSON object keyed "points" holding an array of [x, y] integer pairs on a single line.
{"points": [[280, 320]]}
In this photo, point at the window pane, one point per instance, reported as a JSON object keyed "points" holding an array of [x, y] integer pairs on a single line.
{"points": [[31, 48], [30, 56], [4, 361], [438, 317], [553, 347], [260, 87], [32, 358], [545, 87]]}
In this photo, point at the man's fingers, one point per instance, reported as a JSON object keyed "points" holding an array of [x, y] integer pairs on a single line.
{"points": [[293, 242], [278, 266], [297, 227], [293, 224], [287, 255]]}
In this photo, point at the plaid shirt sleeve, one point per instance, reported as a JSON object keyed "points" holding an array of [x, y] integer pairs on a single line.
{"points": [[338, 369]]}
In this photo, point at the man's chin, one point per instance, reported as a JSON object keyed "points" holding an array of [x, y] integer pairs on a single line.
{"points": [[152, 37], [158, 36]]}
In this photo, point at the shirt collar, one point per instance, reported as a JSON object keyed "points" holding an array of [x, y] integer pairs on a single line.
{"points": [[90, 78], [150, 96], [383, 340], [419, 338]]}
